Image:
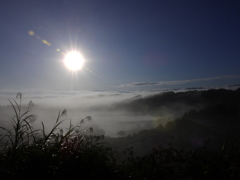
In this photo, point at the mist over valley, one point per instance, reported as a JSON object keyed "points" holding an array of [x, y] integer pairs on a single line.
{"points": [[191, 117]]}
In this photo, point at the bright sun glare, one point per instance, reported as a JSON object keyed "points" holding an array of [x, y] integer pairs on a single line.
{"points": [[74, 61]]}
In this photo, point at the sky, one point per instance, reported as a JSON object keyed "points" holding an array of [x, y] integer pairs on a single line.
{"points": [[128, 45]]}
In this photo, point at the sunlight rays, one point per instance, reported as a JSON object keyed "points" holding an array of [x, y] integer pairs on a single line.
{"points": [[73, 61]]}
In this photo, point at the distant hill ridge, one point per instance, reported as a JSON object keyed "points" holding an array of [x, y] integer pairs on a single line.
{"points": [[195, 99]]}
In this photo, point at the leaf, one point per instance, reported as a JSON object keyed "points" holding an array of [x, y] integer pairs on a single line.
{"points": [[82, 121], [89, 118], [19, 95], [64, 112], [91, 129], [14, 109], [61, 132], [30, 105]]}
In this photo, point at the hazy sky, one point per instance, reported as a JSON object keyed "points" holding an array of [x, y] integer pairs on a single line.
{"points": [[127, 44]]}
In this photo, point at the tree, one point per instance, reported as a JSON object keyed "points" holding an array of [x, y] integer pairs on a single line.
{"points": [[121, 133]]}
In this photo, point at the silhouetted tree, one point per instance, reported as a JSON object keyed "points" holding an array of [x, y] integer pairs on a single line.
{"points": [[121, 133]]}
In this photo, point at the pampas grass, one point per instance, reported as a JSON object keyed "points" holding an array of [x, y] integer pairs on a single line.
{"points": [[34, 153]]}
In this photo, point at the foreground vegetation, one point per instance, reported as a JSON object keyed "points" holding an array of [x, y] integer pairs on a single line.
{"points": [[28, 153]]}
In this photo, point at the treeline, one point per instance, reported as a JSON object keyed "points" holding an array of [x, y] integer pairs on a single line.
{"points": [[211, 125], [192, 99]]}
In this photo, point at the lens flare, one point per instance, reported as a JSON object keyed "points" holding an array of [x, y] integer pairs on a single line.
{"points": [[31, 33], [73, 60], [46, 42]]}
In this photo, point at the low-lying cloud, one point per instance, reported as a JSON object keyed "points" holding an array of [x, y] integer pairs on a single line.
{"points": [[111, 111], [78, 104]]}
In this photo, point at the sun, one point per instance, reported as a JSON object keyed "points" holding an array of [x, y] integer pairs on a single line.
{"points": [[74, 61]]}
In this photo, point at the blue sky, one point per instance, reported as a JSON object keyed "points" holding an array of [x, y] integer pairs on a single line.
{"points": [[127, 44]]}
